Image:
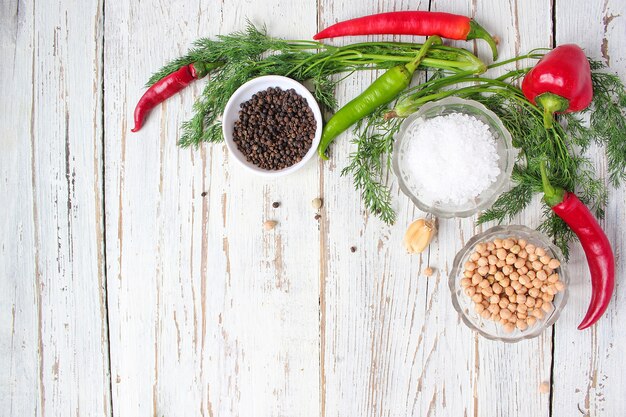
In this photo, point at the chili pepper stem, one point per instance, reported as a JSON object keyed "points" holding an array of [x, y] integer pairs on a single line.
{"points": [[551, 195], [551, 103], [478, 32]]}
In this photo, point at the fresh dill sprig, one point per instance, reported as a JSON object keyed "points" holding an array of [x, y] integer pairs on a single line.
{"points": [[241, 56], [371, 161]]}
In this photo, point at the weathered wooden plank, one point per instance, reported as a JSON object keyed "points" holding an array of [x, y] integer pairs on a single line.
{"points": [[389, 334], [53, 337], [589, 371], [226, 313]]}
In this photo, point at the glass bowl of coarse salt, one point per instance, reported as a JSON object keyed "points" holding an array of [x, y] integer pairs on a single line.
{"points": [[453, 157]]}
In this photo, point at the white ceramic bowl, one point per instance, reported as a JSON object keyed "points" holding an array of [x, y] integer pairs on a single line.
{"points": [[245, 93]]}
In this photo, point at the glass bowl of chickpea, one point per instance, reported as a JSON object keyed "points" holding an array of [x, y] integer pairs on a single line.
{"points": [[509, 283]]}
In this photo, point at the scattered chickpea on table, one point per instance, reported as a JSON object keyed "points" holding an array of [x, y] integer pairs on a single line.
{"points": [[511, 282]]}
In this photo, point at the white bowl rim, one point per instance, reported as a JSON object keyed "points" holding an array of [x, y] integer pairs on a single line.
{"points": [[244, 93]]}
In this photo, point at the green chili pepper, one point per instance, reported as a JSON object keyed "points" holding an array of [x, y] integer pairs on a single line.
{"points": [[387, 87]]}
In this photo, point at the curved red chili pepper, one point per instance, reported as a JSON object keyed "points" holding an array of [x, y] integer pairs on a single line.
{"points": [[596, 245], [560, 82], [162, 90], [446, 25]]}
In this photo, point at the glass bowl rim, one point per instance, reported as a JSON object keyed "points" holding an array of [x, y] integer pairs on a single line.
{"points": [[510, 150], [508, 230]]}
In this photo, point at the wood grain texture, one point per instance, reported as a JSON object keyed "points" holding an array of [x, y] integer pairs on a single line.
{"points": [[53, 332], [589, 367], [210, 314]]}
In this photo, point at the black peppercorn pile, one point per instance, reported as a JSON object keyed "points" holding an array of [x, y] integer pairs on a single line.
{"points": [[275, 128]]}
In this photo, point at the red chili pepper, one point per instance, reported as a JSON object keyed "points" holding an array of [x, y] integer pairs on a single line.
{"points": [[166, 88], [422, 23], [560, 82], [596, 245]]}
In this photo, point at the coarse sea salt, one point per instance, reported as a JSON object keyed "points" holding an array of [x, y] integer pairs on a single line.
{"points": [[451, 159]]}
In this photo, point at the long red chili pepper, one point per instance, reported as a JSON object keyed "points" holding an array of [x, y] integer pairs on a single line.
{"points": [[560, 82], [446, 25], [596, 245], [166, 88]]}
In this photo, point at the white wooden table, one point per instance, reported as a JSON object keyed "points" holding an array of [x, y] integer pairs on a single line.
{"points": [[127, 291]]}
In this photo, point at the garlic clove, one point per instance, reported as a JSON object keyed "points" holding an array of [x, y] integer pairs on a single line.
{"points": [[419, 235]]}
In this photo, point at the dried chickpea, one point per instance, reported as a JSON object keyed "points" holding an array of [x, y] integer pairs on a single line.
{"points": [[523, 280], [531, 321], [483, 270], [474, 257], [519, 262], [505, 282], [482, 261], [547, 298], [538, 313], [510, 259], [516, 284], [509, 327], [559, 286], [541, 275], [477, 298], [497, 243], [547, 307], [507, 243], [521, 316], [494, 309], [499, 276], [513, 318], [522, 290], [530, 302], [466, 282], [522, 254], [523, 270], [533, 292], [481, 247], [468, 274], [493, 269], [553, 278], [504, 302], [531, 274], [513, 298], [470, 266], [512, 307], [545, 259], [537, 283], [479, 308], [547, 270], [470, 291], [554, 264], [532, 257], [487, 291], [490, 246], [522, 308], [522, 243], [501, 254], [485, 314], [537, 265], [500, 263], [505, 314], [476, 279], [507, 269], [521, 324], [516, 249], [497, 288], [494, 299], [483, 284], [540, 251], [492, 259], [509, 291], [530, 248], [538, 303], [485, 303]]}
